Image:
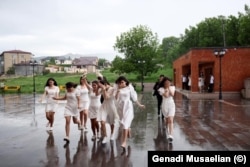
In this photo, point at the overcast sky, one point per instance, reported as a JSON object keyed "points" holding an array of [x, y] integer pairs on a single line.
{"points": [[58, 27]]}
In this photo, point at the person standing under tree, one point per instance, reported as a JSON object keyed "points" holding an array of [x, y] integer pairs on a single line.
{"points": [[51, 90], [168, 105], [158, 96]]}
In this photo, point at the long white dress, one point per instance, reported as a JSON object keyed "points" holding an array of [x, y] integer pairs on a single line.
{"points": [[95, 104], [168, 104], [108, 111], [71, 107], [84, 97], [51, 104], [125, 106]]}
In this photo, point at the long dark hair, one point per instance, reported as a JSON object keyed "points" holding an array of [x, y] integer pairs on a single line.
{"points": [[163, 81], [51, 79], [122, 78], [70, 85], [104, 81]]}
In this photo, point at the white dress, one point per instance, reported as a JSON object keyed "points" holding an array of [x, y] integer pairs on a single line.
{"points": [[168, 104], [95, 104], [51, 104], [125, 106], [71, 107], [108, 111], [84, 97]]}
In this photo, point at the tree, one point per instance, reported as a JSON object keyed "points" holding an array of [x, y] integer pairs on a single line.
{"points": [[118, 65], [167, 45], [101, 62], [244, 27], [11, 70], [52, 61], [140, 48]]}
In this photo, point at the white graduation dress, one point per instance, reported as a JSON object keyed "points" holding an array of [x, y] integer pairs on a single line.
{"points": [[168, 104], [71, 107], [125, 106], [108, 111], [84, 97], [51, 104], [95, 104]]}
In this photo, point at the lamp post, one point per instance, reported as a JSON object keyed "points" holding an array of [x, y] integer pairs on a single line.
{"points": [[220, 53], [142, 74], [33, 64]]}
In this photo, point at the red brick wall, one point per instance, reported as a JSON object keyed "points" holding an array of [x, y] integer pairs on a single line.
{"points": [[235, 67]]}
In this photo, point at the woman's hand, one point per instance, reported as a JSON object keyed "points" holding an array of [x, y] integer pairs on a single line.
{"points": [[142, 106]]}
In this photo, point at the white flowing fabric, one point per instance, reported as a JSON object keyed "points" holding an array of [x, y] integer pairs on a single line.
{"points": [[51, 104], [84, 97], [125, 106], [71, 108], [108, 111], [95, 104], [168, 104]]}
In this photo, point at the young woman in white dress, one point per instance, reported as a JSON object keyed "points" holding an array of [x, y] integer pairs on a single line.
{"points": [[71, 108], [94, 107], [108, 111], [84, 102], [124, 93], [168, 105], [51, 90]]}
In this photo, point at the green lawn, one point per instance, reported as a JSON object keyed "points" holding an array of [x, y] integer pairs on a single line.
{"points": [[26, 83]]}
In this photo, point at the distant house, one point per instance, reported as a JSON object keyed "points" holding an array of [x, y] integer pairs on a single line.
{"points": [[59, 60], [88, 63], [10, 58]]}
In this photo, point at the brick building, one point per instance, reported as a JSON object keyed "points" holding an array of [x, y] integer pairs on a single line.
{"points": [[10, 58], [235, 68]]}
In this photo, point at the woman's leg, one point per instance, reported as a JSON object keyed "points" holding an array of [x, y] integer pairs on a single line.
{"points": [[97, 127], [112, 126], [103, 128], [77, 121], [124, 138], [92, 121], [67, 125], [51, 118], [81, 118], [48, 117], [170, 124], [85, 117]]}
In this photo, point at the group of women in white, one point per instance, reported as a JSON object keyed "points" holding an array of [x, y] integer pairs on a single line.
{"points": [[84, 101]]}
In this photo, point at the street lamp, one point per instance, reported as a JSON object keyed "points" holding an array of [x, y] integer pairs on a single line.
{"points": [[142, 74], [33, 64], [220, 53]]}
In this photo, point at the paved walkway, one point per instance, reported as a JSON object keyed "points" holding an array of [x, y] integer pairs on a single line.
{"points": [[199, 125]]}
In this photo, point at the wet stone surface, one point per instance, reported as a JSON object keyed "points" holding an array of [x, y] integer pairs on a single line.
{"points": [[198, 125]]}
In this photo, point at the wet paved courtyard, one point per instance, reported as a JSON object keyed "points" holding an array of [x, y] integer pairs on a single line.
{"points": [[199, 125]]}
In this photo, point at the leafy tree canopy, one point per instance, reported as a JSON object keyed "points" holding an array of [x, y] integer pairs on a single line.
{"points": [[140, 48]]}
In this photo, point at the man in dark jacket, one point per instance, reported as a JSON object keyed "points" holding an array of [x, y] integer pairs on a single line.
{"points": [[158, 96]]}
